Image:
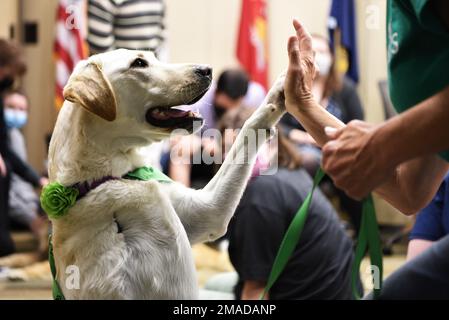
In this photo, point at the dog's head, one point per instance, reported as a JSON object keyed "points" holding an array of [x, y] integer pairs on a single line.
{"points": [[135, 91]]}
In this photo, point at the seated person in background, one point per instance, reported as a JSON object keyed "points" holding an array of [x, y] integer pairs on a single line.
{"points": [[129, 24], [432, 223], [341, 98], [320, 267], [12, 66], [23, 201], [231, 91]]}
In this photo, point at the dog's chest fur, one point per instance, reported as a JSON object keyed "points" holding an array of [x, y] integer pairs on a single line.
{"points": [[128, 243]]}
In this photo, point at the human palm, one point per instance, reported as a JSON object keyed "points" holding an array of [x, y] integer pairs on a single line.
{"points": [[301, 70]]}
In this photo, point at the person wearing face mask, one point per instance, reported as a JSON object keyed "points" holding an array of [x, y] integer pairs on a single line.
{"points": [[15, 119], [23, 201], [340, 97], [11, 66], [228, 93]]}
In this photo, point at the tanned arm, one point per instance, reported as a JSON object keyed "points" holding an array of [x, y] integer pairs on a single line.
{"points": [[252, 290]]}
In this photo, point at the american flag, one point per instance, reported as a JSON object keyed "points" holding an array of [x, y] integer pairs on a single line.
{"points": [[70, 45]]}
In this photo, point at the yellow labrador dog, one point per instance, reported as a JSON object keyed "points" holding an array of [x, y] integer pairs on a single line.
{"points": [[132, 239]]}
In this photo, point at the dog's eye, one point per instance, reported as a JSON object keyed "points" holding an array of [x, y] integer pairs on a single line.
{"points": [[139, 63]]}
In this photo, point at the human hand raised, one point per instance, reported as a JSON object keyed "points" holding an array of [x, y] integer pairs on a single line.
{"points": [[301, 71]]}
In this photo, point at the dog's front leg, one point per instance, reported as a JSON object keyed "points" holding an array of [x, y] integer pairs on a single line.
{"points": [[206, 213]]}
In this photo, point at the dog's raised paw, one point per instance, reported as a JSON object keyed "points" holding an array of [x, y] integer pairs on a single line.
{"points": [[276, 94]]}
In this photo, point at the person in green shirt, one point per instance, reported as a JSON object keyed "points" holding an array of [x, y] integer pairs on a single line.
{"points": [[404, 159]]}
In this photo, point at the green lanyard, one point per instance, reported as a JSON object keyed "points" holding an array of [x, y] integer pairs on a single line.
{"points": [[55, 288], [369, 239]]}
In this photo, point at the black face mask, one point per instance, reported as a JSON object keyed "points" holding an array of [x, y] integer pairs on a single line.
{"points": [[6, 84], [219, 111]]}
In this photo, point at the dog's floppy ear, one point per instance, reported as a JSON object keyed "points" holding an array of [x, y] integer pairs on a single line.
{"points": [[89, 88]]}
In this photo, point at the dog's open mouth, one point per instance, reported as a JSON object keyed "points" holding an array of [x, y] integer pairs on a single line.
{"points": [[173, 117]]}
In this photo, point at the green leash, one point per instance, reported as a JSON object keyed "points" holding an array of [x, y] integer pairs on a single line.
{"points": [[369, 239], [55, 288], [142, 174]]}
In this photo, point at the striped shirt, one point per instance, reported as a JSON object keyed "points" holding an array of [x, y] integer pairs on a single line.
{"points": [[129, 24]]}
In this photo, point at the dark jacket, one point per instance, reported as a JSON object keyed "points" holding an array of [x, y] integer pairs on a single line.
{"points": [[19, 167]]}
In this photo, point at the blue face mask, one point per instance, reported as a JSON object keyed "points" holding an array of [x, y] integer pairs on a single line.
{"points": [[15, 118]]}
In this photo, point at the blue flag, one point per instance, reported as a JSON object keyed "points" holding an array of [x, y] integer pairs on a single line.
{"points": [[342, 32]]}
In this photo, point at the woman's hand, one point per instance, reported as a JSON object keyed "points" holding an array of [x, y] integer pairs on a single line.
{"points": [[301, 71], [3, 171]]}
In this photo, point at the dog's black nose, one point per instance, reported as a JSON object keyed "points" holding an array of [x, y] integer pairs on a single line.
{"points": [[203, 71]]}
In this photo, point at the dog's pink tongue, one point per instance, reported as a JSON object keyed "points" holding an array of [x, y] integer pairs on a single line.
{"points": [[168, 113]]}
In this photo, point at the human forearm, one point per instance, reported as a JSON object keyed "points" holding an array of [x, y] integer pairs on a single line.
{"points": [[299, 99], [314, 119], [414, 183], [23, 170], [419, 170], [422, 130], [361, 157]]}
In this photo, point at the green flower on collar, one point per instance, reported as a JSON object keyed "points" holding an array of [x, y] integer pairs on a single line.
{"points": [[56, 199]]}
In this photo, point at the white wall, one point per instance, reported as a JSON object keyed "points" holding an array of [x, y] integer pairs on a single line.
{"points": [[313, 14], [371, 28], [39, 82], [8, 16], [205, 31]]}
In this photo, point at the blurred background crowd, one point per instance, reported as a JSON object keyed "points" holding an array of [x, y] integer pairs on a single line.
{"points": [[245, 42]]}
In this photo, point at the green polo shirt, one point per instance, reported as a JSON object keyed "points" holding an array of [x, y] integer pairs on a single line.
{"points": [[418, 53]]}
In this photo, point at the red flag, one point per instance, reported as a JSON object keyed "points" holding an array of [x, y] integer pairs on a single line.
{"points": [[252, 46]]}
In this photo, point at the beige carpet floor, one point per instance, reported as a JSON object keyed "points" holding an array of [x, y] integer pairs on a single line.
{"points": [[208, 262]]}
